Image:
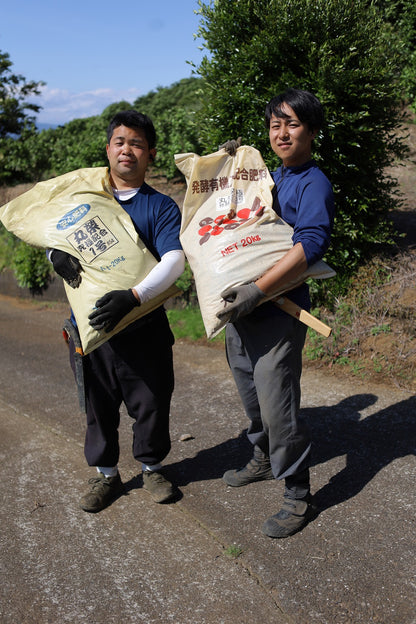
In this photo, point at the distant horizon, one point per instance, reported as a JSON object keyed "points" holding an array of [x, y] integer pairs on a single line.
{"points": [[47, 126]]}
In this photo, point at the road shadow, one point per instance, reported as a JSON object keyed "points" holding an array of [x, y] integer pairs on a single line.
{"points": [[212, 462], [368, 443]]}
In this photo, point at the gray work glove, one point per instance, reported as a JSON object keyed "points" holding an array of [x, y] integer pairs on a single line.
{"points": [[67, 266], [241, 301], [231, 146], [111, 308]]}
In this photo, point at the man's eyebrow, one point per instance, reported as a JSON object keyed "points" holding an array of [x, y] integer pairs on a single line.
{"points": [[123, 138], [283, 117]]}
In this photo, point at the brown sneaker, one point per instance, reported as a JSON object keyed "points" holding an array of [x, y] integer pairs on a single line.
{"points": [[159, 488], [257, 469], [292, 517], [103, 491]]}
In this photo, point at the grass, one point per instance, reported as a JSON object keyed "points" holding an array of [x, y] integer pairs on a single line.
{"points": [[233, 551], [187, 324], [373, 329]]}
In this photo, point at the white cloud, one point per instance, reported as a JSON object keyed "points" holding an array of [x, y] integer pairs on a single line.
{"points": [[60, 105]]}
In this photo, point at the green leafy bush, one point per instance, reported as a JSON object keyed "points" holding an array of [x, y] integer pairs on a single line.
{"points": [[351, 58], [31, 267], [8, 244], [401, 14]]}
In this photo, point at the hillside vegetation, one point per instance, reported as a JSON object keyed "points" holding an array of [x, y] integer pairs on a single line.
{"points": [[373, 325]]}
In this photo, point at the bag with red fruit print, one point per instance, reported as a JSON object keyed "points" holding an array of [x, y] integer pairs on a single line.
{"points": [[230, 233]]}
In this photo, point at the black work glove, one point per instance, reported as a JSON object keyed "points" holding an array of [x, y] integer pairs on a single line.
{"points": [[111, 308], [67, 266], [241, 299], [231, 146]]}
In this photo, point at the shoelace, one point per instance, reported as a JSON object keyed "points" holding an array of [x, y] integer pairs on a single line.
{"points": [[98, 481], [155, 475]]}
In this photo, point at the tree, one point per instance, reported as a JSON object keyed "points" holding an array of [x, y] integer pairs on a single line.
{"points": [[112, 109], [14, 91], [25, 158], [38, 155], [183, 94], [172, 110], [351, 58], [401, 14], [77, 144]]}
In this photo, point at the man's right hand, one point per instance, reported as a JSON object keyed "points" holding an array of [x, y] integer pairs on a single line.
{"points": [[67, 266]]}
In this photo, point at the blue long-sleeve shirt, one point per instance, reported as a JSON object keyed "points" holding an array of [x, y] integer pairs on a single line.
{"points": [[306, 203], [304, 199]]}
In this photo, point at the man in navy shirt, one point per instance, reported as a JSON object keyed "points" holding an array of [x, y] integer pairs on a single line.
{"points": [[135, 365], [264, 344]]}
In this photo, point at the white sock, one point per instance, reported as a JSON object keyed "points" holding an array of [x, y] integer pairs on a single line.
{"points": [[108, 471], [152, 468]]}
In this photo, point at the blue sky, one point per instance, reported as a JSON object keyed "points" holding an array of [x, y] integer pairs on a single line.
{"points": [[91, 53]]}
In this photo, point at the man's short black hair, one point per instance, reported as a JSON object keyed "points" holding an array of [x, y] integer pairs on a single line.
{"points": [[136, 121], [306, 106]]}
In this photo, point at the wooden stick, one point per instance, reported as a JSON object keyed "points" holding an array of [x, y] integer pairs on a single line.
{"points": [[294, 310]]}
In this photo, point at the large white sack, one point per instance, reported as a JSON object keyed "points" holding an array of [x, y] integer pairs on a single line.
{"points": [[230, 233], [77, 213]]}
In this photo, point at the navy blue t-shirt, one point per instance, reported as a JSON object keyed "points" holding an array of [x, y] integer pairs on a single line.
{"points": [[156, 218]]}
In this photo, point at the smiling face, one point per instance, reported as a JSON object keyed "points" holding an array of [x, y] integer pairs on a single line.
{"points": [[129, 155], [291, 139]]}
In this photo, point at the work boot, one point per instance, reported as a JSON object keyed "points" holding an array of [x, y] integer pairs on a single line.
{"points": [[292, 517], [257, 469], [103, 491], [159, 488]]}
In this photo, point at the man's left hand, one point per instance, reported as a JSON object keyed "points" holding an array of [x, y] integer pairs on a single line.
{"points": [[242, 300], [111, 308], [231, 146]]}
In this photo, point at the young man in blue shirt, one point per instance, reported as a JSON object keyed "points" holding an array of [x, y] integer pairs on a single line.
{"points": [[135, 365], [264, 344]]}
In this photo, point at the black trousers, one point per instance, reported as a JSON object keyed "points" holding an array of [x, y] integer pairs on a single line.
{"points": [[134, 367]]}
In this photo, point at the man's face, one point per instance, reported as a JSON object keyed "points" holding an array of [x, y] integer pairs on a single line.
{"points": [[128, 155], [291, 139]]}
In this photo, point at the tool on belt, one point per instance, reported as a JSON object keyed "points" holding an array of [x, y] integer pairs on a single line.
{"points": [[70, 332]]}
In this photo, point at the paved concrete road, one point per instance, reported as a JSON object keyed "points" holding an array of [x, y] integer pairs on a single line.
{"points": [[141, 562]]}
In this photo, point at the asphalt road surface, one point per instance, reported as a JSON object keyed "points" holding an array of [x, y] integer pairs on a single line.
{"points": [[203, 559]]}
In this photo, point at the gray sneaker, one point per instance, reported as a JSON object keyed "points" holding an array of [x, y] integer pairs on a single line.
{"points": [[292, 517], [103, 491], [257, 469], [159, 488]]}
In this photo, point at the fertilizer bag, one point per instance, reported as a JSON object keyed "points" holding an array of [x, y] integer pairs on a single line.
{"points": [[77, 213], [230, 233]]}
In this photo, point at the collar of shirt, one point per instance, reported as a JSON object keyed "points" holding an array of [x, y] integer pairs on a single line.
{"points": [[125, 194]]}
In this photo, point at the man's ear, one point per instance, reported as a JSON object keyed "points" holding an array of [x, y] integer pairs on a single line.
{"points": [[152, 155]]}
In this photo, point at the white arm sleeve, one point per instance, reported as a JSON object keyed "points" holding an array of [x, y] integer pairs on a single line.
{"points": [[163, 275]]}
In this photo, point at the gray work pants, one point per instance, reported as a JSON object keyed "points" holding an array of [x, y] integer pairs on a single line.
{"points": [[265, 356]]}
